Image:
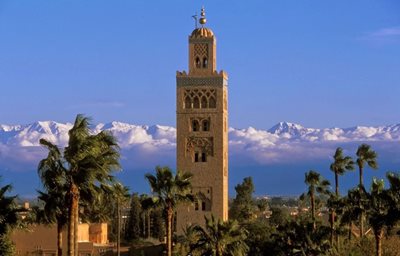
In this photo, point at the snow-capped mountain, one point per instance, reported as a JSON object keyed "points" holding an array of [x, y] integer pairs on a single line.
{"points": [[130, 134], [279, 152]]}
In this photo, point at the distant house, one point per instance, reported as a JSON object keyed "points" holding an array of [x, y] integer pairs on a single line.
{"points": [[42, 240]]}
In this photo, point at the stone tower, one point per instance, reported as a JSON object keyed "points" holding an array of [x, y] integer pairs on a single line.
{"points": [[202, 129]]}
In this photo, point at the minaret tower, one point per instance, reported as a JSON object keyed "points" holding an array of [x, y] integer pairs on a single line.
{"points": [[202, 129]]}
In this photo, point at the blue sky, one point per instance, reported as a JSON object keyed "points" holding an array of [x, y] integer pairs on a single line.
{"points": [[333, 63], [318, 63]]}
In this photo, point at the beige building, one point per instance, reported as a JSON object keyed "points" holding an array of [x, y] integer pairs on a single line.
{"points": [[41, 240], [202, 129]]}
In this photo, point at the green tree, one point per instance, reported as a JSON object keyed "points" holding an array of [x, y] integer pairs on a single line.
{"points": [[147, 205], [168, 191], [365, 155], [219, 238], [52, 174], [340, 165], [8, 220], [378, 212], [243, 206], [88, 161], [316, 185], [352, 206], [121, 196], [301, 237], [158, 228], [133, 230], [278, 217], [383, 203]]}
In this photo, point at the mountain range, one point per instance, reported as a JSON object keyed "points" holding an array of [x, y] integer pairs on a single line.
{"points": [[283, 152], [131, 134]]}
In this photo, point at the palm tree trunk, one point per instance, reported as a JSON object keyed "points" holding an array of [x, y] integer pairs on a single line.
{"points": [[333, 212], [313, 209], [59, 238], [350, 230], [118, 229], [378, 242], [169, 230], [144, 225], [362, 212], [332, 220], [148, 224], [218, 250], [362, 224], [71, 220], [76, 225]]}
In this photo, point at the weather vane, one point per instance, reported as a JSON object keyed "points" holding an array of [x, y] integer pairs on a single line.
{"points": [[195, 19]]}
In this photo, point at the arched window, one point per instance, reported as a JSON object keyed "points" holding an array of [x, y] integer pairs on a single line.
{"points": [[205, 62], [196, 157], [196, 102], [212, 103], [188, 102], [195, 126], [198, 63], [203, 102], [205, 125], [203, 157]]}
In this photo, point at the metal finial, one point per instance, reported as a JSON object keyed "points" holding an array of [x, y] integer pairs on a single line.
{"points": [[203, 19]]}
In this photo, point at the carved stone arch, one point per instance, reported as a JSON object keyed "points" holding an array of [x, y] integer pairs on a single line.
{"points": [[205, 62], [196, 102], [204, 102], [212, 103], [188, 102], [195, 125], [197, 62], [205, 201], [205, 125]]}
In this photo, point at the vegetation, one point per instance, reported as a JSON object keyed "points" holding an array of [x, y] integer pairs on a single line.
{"points": [[217, 238], [79, 179], [169, 190], [8, 220], [316, 186], [243, 207], [365, 155], [78, 175]]}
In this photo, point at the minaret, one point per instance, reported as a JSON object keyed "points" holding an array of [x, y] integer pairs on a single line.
{"points": [[202, 129]]}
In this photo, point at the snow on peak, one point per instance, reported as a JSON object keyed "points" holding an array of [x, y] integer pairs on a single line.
{"points": [[157, 143], [129, 135], [287, 128]]}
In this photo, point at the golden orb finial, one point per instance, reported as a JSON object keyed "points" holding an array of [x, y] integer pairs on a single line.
{"points": [[203, 19]]}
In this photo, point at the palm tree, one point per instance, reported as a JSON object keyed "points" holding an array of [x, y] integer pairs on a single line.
{"points": [[316, 185], [219, 238], [147, 207], [121, 193], [339, 167], [169, 190], [87, 163], [8, 220], [365, 155], [53, 212], [52, 173], [352, 206], [384, 205], [378, 212]]}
